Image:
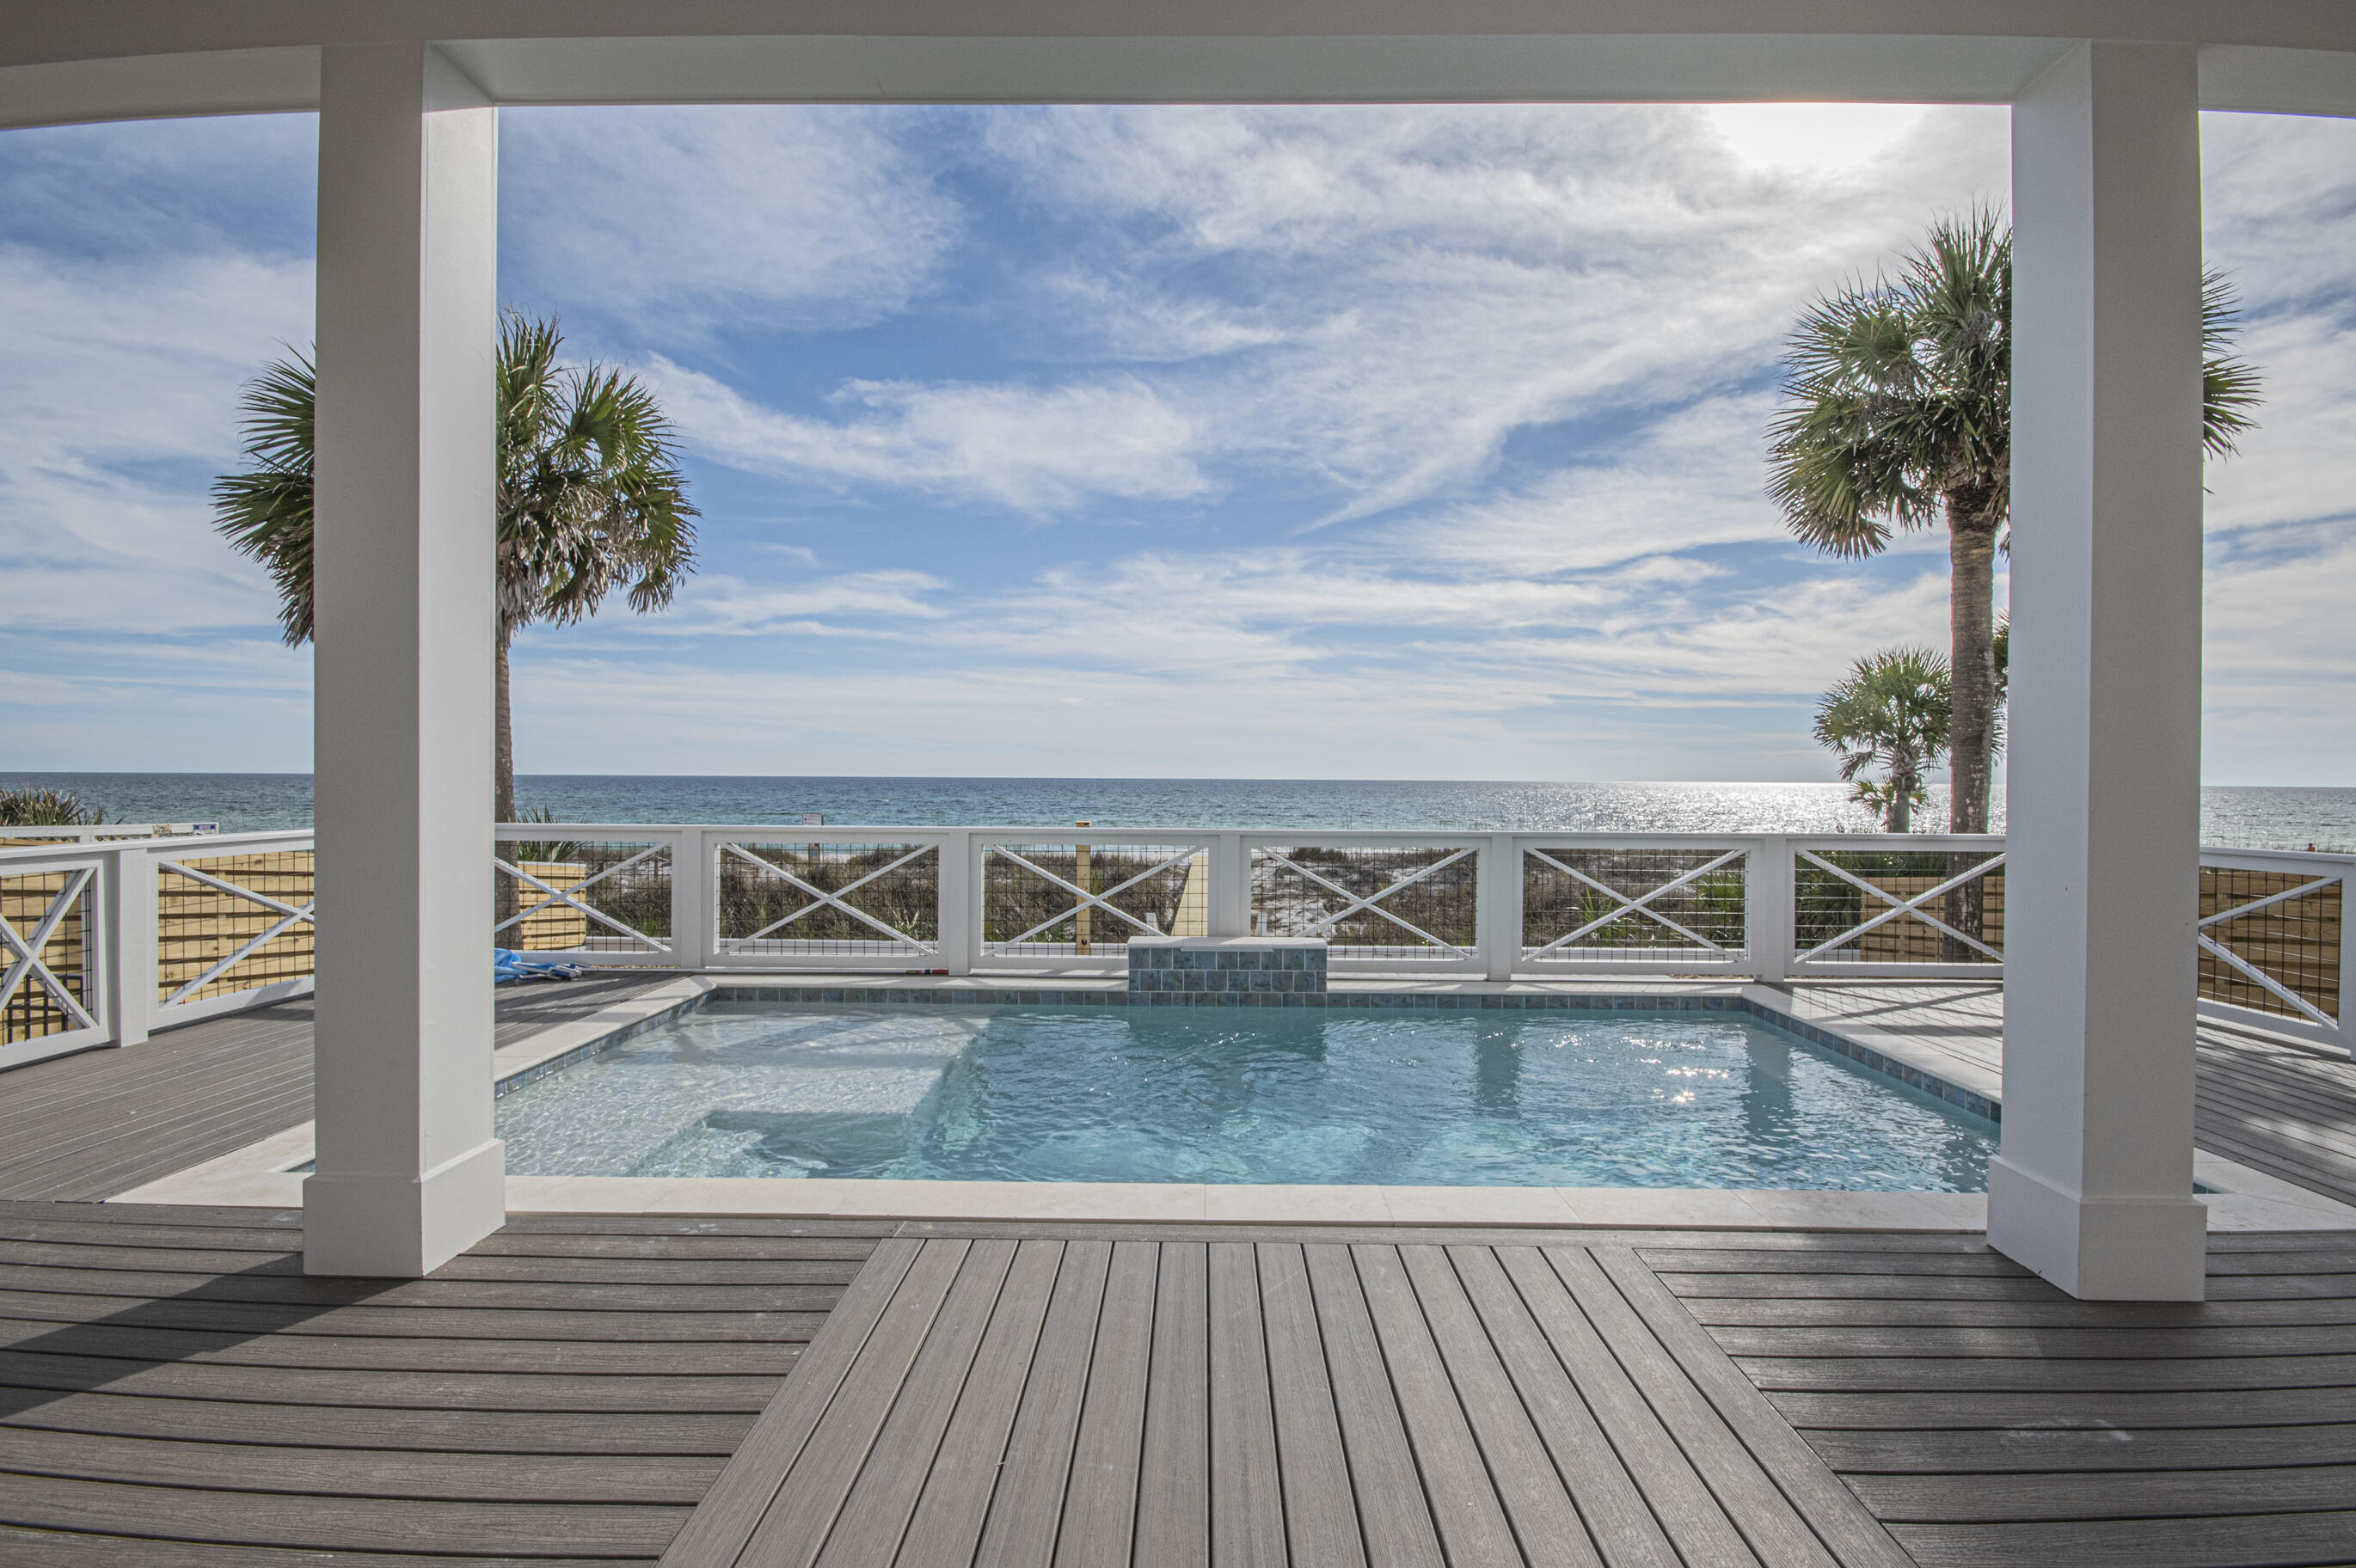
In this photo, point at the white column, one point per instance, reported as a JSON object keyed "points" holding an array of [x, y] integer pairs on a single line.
{"points": [[408, 1174], [2094, 1188]]}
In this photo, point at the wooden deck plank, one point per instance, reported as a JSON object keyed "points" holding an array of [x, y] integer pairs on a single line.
{"points": [[1616, 1516], [1545, 1522], [875, 1514], [1681, 1500], [1395, 1515], [114, 1342], [2151, 1494], [1829, 1508], [337, 1523], [1026, 1508], [330, 1426], [1173, 1486], [359, 1472], [1100, 1499], [1774, 1528], [1321, 1512], [717, 1533], [2321, 1538], [1247, 1486], [1457, 1483], [946, 1524]]}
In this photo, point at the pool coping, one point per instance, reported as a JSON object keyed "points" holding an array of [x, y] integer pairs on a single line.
{"points": [[261, 1174]]}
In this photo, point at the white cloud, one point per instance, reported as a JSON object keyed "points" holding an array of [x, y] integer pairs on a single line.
{"points": [[1033, 450], [731, 605], [119, 408], [693, 219]]}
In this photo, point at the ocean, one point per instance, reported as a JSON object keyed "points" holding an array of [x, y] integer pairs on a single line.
{"points": [[2243, 818]]}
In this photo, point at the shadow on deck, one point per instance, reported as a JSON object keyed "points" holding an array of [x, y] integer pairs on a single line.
{"points": [[173, 1391]]}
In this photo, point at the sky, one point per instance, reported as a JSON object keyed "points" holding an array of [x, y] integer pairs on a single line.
{"points": [[1412, 442]]}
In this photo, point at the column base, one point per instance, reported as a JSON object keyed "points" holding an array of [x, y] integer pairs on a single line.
{"points": [[2107, 1249], [382, 1227]]}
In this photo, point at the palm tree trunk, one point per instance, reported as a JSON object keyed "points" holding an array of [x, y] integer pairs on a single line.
{"points": [[503, 801], [1971, 629]]}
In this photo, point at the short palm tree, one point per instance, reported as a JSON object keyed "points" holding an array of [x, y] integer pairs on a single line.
{"points": [[1898, 413], [590, 498], [1890, 712]]}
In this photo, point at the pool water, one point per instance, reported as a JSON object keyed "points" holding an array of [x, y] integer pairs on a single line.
{"points": [[1219, 1094]]}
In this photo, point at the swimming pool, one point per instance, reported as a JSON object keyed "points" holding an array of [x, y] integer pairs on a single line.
{"points": [[1426, 1098]]}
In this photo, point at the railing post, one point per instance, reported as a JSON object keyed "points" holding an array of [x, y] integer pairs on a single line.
{"points": [[2347, 965], [129, 891], [1230, 910], [1497, 905], [1770, 928], [694, 902], [957, 919]]}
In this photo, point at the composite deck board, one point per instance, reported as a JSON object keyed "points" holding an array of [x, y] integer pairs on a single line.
{"points": [[1260, 1401], [2045, 1430], [177, 1425], [1233, 1394], [2280, 1108], [86, 1127]]}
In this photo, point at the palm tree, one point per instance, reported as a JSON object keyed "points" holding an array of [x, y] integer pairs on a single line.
{"points": [[590, 500], [1898, 413], [1890, 712]]}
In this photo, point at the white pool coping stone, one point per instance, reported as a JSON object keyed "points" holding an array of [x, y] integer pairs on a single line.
{"points": [[262, 1174]]}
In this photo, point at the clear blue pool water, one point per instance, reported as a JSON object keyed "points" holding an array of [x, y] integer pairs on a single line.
{"points": [[1235, 1095]]}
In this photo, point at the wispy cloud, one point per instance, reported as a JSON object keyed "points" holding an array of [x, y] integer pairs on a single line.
{"points": [[1033, 450]]}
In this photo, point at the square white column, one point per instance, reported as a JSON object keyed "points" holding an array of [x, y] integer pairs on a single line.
{"points": [[2093, 1188], [408, 1174]]}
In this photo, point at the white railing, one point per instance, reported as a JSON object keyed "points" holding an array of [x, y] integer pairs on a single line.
{"points": [[105, 832], [104, 943]]}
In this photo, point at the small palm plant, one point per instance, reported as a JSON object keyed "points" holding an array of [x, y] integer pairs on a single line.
{"points": [[1890, 713], [590, 498]]}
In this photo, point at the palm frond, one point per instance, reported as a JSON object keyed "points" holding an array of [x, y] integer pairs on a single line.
{"points": [[2230, 385]]}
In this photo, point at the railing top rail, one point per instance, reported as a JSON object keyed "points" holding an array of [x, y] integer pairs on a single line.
{"points": [[206, 845]]}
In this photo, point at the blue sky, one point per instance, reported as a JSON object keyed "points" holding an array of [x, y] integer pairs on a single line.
{"points": [[1407, 443]]}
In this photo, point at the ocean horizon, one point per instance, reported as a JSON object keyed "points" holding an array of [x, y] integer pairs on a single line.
{"points": [[2240, 817]]}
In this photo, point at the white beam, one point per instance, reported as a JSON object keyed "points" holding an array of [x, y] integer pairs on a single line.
{"points": [[2094, 1188], [408, 1174]]}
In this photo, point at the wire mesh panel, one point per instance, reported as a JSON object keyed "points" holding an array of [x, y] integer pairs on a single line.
{"points": [[1085, 901], [1859, 907], [1369, 902], [2270, 941], [830, 900], [580, 896], [1632, 906], [47, 966], [226, 923]]}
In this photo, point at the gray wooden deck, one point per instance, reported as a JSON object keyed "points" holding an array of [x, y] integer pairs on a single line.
{"points": [[175, 1394], [102, 1122], [2286, 1109]]}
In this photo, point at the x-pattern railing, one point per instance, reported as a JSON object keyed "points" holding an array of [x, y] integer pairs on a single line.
{"points": [[290, 916], [824, 900], [25, 952], [2225, 916], [1900, 907], [1088, 900], [1371, 903], [566, 896], [1641, 904]]}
